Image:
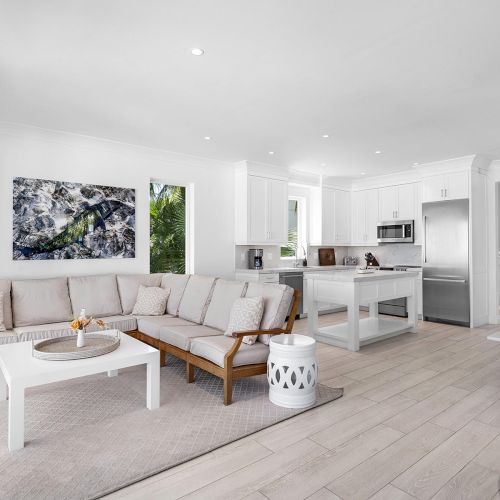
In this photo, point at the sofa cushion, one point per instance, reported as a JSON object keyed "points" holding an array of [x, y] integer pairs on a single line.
{"points": [[277, 303], [151, 301], [128, 287], [98, 295], [8, 337], [177, 284], [151, 325], [246, 315], [223, 297], [181, 336], [36, 302], [40, 332], [196, 298], [5, 286], [122, 323], [215, 348]]}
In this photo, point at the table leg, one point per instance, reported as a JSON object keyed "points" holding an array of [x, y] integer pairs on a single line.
{"points": [[153, 383], [3, 387], [353, 320], [112, 373], [16, 417], [374, 310], [312, 310], [411, 306]]}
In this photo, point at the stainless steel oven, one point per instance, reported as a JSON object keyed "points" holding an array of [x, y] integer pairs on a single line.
{"points": [[395, 231]]}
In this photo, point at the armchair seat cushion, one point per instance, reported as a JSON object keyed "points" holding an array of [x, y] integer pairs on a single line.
{"points": [[151, 325], [182, 336], [215, 348]]}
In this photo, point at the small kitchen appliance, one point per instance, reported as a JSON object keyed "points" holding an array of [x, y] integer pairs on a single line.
{"points": [[396, 231], [371, 261], [350, 261], [256, 258]]}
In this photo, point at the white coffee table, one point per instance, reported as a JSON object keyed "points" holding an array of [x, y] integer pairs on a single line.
{"points": [[19, 370]]}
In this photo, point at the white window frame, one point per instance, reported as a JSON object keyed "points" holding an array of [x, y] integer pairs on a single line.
{"points": [[301, 226]]}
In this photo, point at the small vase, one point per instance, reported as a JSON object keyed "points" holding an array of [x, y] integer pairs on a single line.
{"points": [[80, 340]]}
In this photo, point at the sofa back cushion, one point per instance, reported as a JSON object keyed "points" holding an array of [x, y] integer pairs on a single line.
{"points": [[277, 302], [196, 298], [5, 286], [36, 302], [223, 297], [177, 284], [98, 295], [128, 287]]}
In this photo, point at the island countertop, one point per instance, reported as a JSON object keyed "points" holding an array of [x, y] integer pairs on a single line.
{"points": [[349, 276]]}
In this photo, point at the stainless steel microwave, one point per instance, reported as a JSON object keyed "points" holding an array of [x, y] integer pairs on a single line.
{"points": [[395, 231]]}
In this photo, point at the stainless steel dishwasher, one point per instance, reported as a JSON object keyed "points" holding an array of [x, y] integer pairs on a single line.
{"points": [[294, 279]]}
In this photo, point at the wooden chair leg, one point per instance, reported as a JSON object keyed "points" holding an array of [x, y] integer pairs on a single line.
{"points": [[228, 388], [163, 358], [189, 372]]}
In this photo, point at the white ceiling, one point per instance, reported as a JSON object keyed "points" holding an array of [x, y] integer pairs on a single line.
{"points": [[417, 79]]}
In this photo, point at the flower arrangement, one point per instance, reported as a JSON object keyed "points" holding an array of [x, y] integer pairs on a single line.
{"points": [[82, 322]]}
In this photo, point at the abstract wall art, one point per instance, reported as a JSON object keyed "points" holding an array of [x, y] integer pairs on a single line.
{"points": [[66, 220]]}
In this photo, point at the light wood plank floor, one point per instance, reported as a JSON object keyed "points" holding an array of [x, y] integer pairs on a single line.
{"points": [[420, 419]]}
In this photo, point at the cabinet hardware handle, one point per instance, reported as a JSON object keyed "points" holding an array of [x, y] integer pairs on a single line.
{"points": [[441, 192], [446, 192]]}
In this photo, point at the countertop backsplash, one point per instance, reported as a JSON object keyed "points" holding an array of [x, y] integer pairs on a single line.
{"points": [[387, 255]]}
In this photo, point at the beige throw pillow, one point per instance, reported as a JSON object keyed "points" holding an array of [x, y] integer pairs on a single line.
{"points": [[151, 301], [246, 315], [2, 324]]}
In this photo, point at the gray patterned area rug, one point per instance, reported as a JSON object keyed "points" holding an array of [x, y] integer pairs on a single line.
{"points": [[90, 436]]}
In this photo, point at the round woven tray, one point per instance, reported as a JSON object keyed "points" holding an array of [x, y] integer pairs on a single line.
{"points": [[64, 348]]}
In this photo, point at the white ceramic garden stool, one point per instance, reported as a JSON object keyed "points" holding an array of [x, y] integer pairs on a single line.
{"points": [[292, 371]]}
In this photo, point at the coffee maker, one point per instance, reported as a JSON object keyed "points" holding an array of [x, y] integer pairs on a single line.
{"points": [[255, 258]]}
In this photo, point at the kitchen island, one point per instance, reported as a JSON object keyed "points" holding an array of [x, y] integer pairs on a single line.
{"points": [[353, 289]]}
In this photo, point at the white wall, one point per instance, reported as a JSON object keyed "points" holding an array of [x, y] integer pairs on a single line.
{"points": [[38, 153]]}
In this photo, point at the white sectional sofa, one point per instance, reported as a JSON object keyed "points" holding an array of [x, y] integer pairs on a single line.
{"points": [[192, 329]]}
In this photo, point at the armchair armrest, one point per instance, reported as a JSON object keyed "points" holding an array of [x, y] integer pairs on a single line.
{"points": [[274, 331]]}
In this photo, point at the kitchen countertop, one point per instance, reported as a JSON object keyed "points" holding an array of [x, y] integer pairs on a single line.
{"points": [[269, 270], [352, 276]]}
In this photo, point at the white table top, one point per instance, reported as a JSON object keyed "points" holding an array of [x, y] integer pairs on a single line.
{"points": [[352, 276], [18, 365]]}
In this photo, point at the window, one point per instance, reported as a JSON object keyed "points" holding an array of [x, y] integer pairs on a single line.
{"points": [[167, 233], [297, 241]]}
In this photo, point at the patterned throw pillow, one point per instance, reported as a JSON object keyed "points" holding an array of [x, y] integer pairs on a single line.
{"points": [[246, 315], [151, 301], [2, 325]]}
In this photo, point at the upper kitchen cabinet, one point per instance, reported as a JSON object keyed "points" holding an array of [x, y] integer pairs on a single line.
{"points": [[449, 186], [365, 216], [330, 217], [261, 205], [397, 202]]}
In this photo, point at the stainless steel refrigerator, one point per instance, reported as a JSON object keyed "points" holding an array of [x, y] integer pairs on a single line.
{"points": [[446, 295]]}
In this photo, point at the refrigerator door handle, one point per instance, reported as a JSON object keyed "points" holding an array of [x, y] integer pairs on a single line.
{"points": [[447, 280], [425, 238]]}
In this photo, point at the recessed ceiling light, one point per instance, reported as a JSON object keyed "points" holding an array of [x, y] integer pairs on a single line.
{"points": [[197, 51], [325, 136], [378, 152], [207, 138], [363, 173], [415, 164], [271, 152], [322, 164]]}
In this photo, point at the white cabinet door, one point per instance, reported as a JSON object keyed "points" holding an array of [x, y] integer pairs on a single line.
{"points": [[433, 188], [342, 216], [277, 194], [257, 210], [358, 233], [371, 216], [457, 186], [388, 203], [406, 202], [328, 216]]}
